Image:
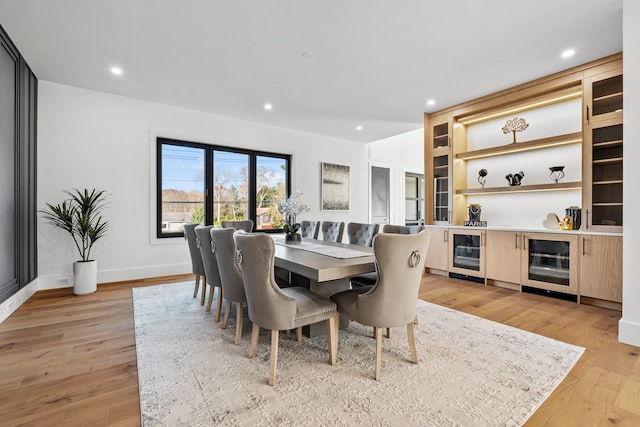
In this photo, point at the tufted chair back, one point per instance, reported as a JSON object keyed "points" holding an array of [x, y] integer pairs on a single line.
{"points": [[332, 231], [392, 300], [230, 275], [310, 229], [402, 229], [197, 266], [246, 225], [361, 234], [212, 274]]}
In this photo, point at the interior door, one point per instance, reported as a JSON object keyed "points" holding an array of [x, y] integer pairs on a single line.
{"points": [[380, 195]]}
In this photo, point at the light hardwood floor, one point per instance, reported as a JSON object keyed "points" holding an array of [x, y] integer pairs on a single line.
{"points": [[69, 360]]}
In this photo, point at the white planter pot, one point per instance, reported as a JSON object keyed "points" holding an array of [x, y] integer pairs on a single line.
{"points": [[85, 277]]}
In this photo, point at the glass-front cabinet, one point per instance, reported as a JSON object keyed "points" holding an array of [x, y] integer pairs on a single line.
{"points": [[603, 150], [550, 262], [438, 168], [441, 206], [466, 252]]}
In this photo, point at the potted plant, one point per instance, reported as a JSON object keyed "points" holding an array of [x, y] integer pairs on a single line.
{"points": [[81, 217], [290, 209]]}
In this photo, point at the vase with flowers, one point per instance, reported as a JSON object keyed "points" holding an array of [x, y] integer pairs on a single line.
{"points": [[290, 209]]}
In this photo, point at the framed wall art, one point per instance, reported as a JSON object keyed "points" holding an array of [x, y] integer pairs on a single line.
{"points": [[336, 187]]}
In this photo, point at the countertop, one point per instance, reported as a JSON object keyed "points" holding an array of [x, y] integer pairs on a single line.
{"points": [[529, 230]]}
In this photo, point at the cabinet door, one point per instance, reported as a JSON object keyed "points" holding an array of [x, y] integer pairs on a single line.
{"points": [[437, 258], [438, 169], [503, 251], [601, 267], [602, 95], [602, 176], [550, 262], [466, 252]]}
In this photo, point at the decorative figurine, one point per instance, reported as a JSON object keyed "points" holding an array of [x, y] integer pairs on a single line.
{"points": [[515, 125], [474, 216], [482, 173], [515, 179], [566, 223], [557, 173], [474, 211]]}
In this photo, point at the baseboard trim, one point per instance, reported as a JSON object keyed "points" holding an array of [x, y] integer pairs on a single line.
{"points": [[12, 303], [117, 275], [629, 332]]}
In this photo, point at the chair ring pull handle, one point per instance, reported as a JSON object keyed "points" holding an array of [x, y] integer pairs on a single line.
{"points": [[213, 247], [197, 242], [237, 258], [414, 259]]}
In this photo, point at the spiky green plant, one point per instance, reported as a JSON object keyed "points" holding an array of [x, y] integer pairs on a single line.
{"points": [[81, 217]]}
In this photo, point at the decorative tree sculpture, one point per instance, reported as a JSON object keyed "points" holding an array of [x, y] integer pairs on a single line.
{"points": [[515, 125]]}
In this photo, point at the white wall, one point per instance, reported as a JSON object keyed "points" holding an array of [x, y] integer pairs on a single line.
{"points": [[629, 327], [400, 154], [92, 139]]}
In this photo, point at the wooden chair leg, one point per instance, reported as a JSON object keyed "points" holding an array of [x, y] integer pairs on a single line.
{"points": [[255, 332], [274, 357], [388, 332], [219, 305], [412, 342], [378, 353], [227, 312], [211, 291], [238, 322], [416, 321], [204, 289], [195, 290], [299, 333], [332, 339]]}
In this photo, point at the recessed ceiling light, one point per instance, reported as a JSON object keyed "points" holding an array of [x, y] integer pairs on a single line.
{"points": [[358, 127], [116, 70], [568, 53], [431, 102], [268, 107], [306, 55]]}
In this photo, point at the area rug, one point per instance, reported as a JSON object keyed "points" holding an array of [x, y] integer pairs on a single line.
{"points": [[472, 371]]}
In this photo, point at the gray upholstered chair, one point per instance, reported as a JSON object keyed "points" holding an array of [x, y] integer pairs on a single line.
{"points": [[361, 234], [246, 225], [392, 301], [310, 229], [278, 309], [332, 231], [203, 237], [197, 267], [402, 229], [369, 279], [224, 249]]}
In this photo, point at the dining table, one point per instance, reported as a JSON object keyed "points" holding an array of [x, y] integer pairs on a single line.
{"points": [[322, 267]]}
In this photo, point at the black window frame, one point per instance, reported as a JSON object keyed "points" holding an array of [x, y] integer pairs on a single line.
{"points": [[209, 174]]}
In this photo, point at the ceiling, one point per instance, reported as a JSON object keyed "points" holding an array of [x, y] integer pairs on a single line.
{"points": [[326, 66]]}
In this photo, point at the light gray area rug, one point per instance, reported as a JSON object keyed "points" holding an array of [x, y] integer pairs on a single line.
{"points": [[472, 371]]}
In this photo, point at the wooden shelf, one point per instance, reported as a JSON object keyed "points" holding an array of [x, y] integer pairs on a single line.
{"points": [[522, 188], [536, 144]]}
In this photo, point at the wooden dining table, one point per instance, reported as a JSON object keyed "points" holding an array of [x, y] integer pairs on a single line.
{"points": [[320, 272]]}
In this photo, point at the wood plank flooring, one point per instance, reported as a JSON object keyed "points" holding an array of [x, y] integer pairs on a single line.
{"points": [[70, 360]]}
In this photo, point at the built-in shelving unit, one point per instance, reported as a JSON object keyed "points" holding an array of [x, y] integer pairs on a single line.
{"points": [[538, 144], [523, 188], [577, 111]]}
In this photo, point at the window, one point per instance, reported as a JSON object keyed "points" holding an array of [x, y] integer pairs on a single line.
{"points": [[207, 184]]}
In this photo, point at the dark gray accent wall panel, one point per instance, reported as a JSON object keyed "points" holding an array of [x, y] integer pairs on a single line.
{"points": [[8, 148], [18, 213]]}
